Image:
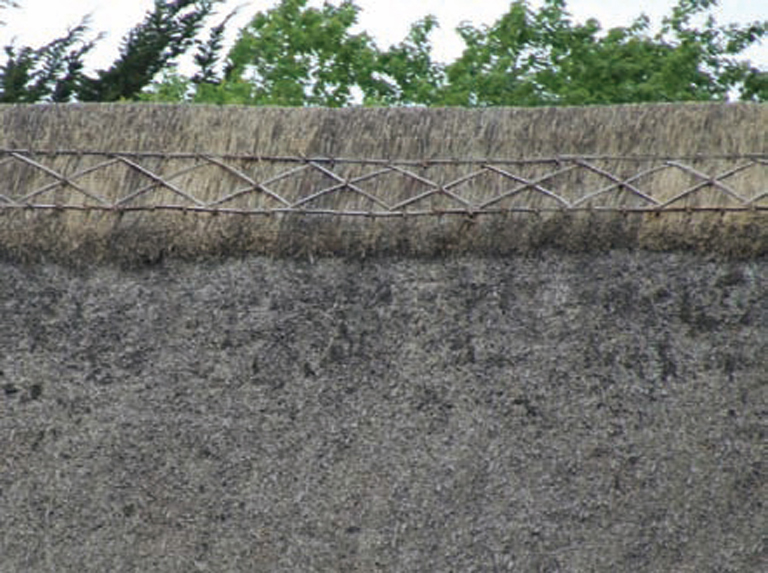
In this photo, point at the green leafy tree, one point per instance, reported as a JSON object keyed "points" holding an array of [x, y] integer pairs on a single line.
{"points": [[49, 73], [755, 85], [209, 53], [167, 32], [55, 72], [294, 55], [406, 74], [172, 86], [542, 58], [297, 55], [498, 61]]}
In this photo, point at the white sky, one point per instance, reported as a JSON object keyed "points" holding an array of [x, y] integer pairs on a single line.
{"points": [[39, 21]]}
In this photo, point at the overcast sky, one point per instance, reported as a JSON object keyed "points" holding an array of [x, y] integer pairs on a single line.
{"points": [[39, 21]]}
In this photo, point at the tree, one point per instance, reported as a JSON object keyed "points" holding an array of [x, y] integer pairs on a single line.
{"points": [[406, 73], [296, 55], [209, 52], [497, 64], [542, 58], [49, 73], [754, 86], [55, 72], [167, 32], [175, 87], [293, 55]]}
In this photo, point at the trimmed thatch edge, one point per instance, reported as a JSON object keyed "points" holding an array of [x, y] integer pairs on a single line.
{"points": [[147, 238]]}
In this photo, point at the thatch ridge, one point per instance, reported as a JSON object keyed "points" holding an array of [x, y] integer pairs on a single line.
{"points": [[701, 169], [662, 129]]}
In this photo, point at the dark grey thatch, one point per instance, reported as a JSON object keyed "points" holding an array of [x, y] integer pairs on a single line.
{"points": [[573, 412], [187, 387]]}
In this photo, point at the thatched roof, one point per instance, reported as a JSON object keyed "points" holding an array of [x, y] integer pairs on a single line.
{"points": [[99, 181]]}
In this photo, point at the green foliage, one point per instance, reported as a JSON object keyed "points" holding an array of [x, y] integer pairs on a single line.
{"points": [[209, 53], [150, 47], [55, 72], [50, 73], [754, 86], [295, 55], [497, 62], [542, 58], [406, 74], [298, 55], [172, 88]]}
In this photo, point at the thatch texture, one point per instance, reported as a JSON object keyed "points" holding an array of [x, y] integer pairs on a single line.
{"points": [[579, 404], [210, 180], [571, 412]]}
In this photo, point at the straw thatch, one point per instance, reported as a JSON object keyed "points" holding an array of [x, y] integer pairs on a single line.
{"points": [[595, 407], [568, 412], [104, 181]]}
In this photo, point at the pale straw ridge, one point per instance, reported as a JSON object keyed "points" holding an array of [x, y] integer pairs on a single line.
{"points": [[106, 181]]}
